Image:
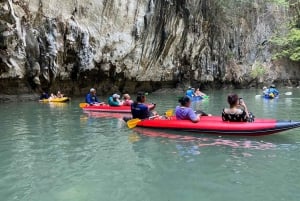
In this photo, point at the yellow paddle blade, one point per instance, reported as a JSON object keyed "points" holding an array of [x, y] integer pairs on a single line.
{"points": [[133, 122], [169, 113], [82, 105]]}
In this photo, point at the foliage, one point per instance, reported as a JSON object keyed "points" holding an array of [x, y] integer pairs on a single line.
{"points": [[258, 70], [280, 2], [288, 45]]}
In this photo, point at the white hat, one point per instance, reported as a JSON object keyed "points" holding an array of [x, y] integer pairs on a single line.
{"points": [[92, 89], [116, 96]]}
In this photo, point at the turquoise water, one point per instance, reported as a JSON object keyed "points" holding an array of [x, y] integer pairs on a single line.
{"points": [[57, 152]]}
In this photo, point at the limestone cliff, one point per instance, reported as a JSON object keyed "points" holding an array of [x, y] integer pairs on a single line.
{"points": [[119, 45]]}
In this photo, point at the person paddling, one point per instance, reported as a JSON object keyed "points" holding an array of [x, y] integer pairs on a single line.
{"points": [[140, 110], [190, 92]]}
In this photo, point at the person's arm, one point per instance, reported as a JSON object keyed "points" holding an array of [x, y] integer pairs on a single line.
{"points": [[96, 100], [243, 104], [151, 106], [193, 116]]}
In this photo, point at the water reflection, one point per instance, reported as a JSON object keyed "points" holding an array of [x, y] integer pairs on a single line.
{"points": [[202, 141], [91, 114]]}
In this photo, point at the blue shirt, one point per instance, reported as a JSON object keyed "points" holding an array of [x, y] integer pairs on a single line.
{"points": [[185, 113], [189, 93], [140, 110], [44, 96], [273, 91], [91, 99]]}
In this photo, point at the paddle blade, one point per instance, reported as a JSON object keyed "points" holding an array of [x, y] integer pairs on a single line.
{"points": [[133, 122], [288, 93], [82, 105], [169, 113]]}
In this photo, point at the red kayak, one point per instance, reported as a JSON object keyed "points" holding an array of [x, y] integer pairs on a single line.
{"points": [[107, 108], [215, 125]]}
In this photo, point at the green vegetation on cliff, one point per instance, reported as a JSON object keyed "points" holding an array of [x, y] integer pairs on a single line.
{"points": [[287, 45]]}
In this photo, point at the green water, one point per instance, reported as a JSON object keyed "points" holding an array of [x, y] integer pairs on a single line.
{"points": [[56, 152]]}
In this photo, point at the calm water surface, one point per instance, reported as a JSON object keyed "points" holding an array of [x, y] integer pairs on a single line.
{"points": [[56, 152]]}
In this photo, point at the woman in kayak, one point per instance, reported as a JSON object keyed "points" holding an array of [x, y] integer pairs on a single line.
{"points": [[114, 100], [199, 93], [237, 111], [127, 101], [185, 112]]}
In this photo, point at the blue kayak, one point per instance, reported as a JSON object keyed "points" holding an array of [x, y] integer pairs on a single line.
{"points": [[199, 98], [270, 96]]}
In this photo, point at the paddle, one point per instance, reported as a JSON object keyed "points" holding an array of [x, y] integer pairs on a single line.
{"points": [[133, 122], [169, 113], [82, 105], [286, 93]]}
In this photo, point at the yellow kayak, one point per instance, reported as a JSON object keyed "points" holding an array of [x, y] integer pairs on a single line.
{"points": [[63, 99]]}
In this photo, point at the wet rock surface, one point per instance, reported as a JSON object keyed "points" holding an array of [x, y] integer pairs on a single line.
{"points": [[127, 46]]}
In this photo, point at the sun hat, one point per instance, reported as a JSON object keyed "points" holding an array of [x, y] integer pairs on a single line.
{"points": [[116, 96]]}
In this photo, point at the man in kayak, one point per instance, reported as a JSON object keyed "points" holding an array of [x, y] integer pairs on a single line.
{"points": [[44, 96], [272, 91], [139, 109], [92, 99], [190, 92]]}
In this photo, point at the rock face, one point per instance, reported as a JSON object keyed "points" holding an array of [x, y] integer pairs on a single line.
{"points": [[130, 45]]}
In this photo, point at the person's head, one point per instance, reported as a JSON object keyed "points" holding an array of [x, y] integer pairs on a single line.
{"points": [[264, 88], [116, 96], [93, 91], [141, 97], [126, 97], [232, 99], [272, 86], [185, 101]]}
